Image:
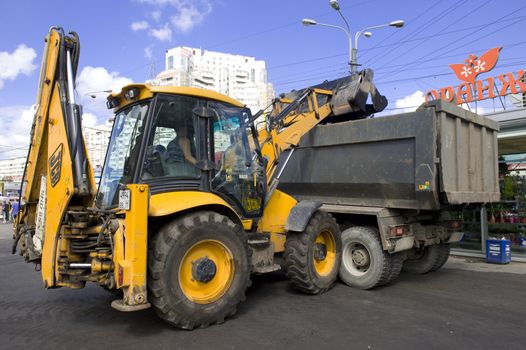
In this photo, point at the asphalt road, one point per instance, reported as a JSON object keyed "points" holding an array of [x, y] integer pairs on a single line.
{"points": [[448, 309]]}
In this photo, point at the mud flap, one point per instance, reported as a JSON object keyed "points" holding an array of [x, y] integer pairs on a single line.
{"points": [[300, 215]]}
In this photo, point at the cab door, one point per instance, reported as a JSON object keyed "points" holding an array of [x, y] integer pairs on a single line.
{"points": [[239, 175]]}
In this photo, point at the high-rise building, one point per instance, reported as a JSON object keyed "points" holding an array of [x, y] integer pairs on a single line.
{"points": [[12, 169], [96, 139], [241, 77]]}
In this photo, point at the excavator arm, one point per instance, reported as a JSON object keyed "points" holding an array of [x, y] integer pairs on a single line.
{"points": [[58, 176], [295, 114]]}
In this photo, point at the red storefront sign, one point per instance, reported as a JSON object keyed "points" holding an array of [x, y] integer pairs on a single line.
{"points": [[477, 90]]}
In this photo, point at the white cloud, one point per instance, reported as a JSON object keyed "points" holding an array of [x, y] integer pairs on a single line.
{"points": [[16, 130], [410, 102], [20, 61], [148, 53], [139, 25], [183, 15], [93, 81], [89, 120], [162, 34], [156, 15], [190, 16], [17, 120]]}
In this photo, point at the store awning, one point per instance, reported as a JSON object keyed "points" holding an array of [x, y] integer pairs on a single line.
{"points": [[512, 134]]}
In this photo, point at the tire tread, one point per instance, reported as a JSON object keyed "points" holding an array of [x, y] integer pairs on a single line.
{"points": [[296, 256], [158, 252]]}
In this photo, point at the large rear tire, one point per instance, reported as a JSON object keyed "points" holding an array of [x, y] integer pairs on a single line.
{"points": [[428, 259], [312, 257], [365, 264], [198, 270]]}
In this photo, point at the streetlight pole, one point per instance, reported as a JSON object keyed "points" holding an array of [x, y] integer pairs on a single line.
{"points": [[353, 50], [311, 22], [367, 33]]}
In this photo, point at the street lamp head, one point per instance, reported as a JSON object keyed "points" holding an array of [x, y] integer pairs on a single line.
{"points": [[335, 5], [397, 24], [368, 34], [308, 22]]}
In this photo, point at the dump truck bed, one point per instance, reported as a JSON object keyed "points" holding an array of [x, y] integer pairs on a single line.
{"points": [[440, 155]]}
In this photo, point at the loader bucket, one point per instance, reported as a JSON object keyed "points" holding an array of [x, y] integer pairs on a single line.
{"points": [[351, 95], [349, 99]]}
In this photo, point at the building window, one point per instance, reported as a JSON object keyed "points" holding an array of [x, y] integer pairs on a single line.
{"points": [[170, 63]]}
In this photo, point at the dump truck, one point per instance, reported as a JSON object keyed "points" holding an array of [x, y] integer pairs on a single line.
{"points": [[193, 194], [396, 185], [188, 205]]}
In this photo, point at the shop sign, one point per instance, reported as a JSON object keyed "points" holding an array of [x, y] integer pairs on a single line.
{"points": [[472, 89]]}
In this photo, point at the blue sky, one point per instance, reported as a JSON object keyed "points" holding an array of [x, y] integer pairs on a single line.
{"points": [[121, 38]]}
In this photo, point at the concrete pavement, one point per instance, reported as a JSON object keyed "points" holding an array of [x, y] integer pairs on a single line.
{"points": [[462, 306]]}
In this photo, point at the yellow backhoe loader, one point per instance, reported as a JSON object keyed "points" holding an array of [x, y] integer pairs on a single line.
{"points": [[188, 206]]}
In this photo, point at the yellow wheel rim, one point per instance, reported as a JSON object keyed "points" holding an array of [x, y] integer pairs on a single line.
{"points": [[324, 253], [217, 262]]}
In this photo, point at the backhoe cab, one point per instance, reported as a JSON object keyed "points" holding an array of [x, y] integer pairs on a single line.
{"points": [[188, 206]]}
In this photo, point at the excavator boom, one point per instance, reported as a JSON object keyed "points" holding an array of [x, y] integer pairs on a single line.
{"points": [[296, 113], [57, 174]]}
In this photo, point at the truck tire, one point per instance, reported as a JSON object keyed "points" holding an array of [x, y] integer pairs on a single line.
{"points": [[198, 270], [365, 264], [428, 259], [312, 257], [443, 256], [397, 261]]}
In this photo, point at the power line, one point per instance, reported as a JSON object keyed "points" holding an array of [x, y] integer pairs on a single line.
{"points": [[422, 42], [289, 24], [437, 75], [389, 69], [384, 72], [307, 61], [425, 25], [484, 25], [394, 33], [310, 77], [471, 41]]}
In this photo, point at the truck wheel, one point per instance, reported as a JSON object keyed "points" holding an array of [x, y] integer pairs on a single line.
{"points": [[365, 264], [312, 257], [430, 258], [397, 261], [198, 270], [443, 256]]}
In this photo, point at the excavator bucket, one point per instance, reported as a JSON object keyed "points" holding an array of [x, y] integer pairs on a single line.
{"points": [[350, 96]]}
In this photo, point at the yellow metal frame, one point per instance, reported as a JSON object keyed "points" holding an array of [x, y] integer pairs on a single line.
{"points": [[168, 203], [131, 246], [49, 137], [275, 218], [147, 91]]}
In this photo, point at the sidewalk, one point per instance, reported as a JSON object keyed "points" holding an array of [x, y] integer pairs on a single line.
{"points": [[480, 265]]}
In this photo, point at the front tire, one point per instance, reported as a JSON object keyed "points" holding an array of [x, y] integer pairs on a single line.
{"points": [[365, 264], [198, 270], [312, 257]]}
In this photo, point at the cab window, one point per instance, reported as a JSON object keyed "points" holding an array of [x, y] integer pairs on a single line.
{"points": [[172, 146]]}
